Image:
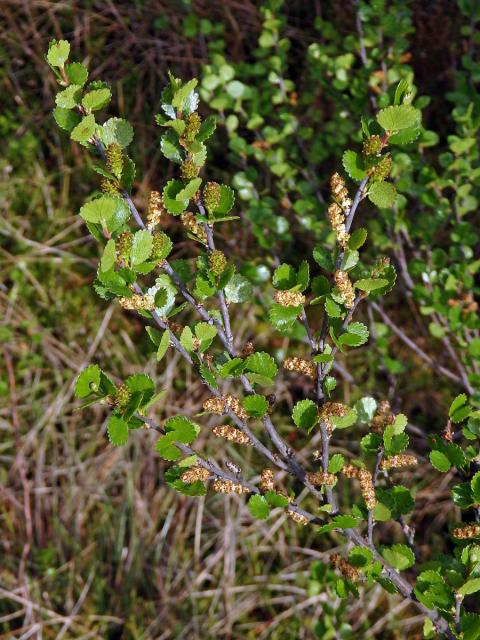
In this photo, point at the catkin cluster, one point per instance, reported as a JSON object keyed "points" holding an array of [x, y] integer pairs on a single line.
{"points": [[154, 210], [305, 367], [231, 434], [321, 477], [345, 568], [299, 518], [471, 531], [137, 302], [228, 486], [397, 462], [222, 404], [289, 298], [190, 223], [345, 287], [195, 474], [366, 483]]}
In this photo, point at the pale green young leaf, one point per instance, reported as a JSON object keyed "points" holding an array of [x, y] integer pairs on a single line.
{"points": [[259, 507], [58, 52], [108, 257], [382, 194], [96, 99], [84, 130], [88, 381], [396, 118], [117, 430], [141, 247]]}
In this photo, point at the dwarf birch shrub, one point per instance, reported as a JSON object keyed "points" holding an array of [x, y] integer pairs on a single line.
{"points": [[189, 305]]}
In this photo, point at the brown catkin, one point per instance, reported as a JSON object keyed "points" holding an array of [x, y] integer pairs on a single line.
{"points": [[155, 209], [330, 409], [195, 474], [470, 531], [340, 192], [266, 480], [231, 434], [350, 471], [248, 349], [227, 486], [397, 462], [383, 417], [367, 488], [320, 477], [337, 222], [345, 287], [190, 222], [345, 568], [289, 298], [137, 302], [299, 518], [305, 367]]}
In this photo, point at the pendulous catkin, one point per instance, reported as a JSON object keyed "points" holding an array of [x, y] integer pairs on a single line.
{"points": [[301, 366], [345, 568], [470, 531], [231, 434], [366, 483], [195, 474], [289, 298], [320, 477], [154, 210], [345, 287], [383, 417], [397, 462], [336, 219], [340, 192], [299, 518], [137, 302], [266, 480], [227, 486], [221, 405]]}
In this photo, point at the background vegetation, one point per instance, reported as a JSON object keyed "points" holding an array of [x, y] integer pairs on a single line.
{"points": [[92, 543]]}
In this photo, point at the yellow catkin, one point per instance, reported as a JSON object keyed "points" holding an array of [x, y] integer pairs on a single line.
{"points": [[266, 480], [289, 298], [227, 486], [330, 409], [305, 367], [345, 568], [345, 287], [320, 477], [471, 531], [195, 474], [190, 222], [299, 518], [336, 218], [397, 462], [137, 302], [340, 192], [155, 209], [231, 434], [350, 471]]}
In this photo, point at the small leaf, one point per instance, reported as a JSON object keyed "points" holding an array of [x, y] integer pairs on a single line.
{"points": [[399, 556], [68, 98], [170, 192], [116, 131], [366, 408], [336, 463], [117, 430], [163, 345], [357, 238], [343, 422], [259, 507], [283, 318], [471, 586], [260, 366], [96, 99], [189, 190], [398, 117], [353, 165], [383, 194], [84, 130], [88, 381], [227, 200], [305, 414], [256, 405], [108, 257], [58, 52], [66, 118], [440, 461], [370, 284], [475, 484], [284, 277], [76, 73], [141, 247], [276, 499], [207, 128], [238, 289]]}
